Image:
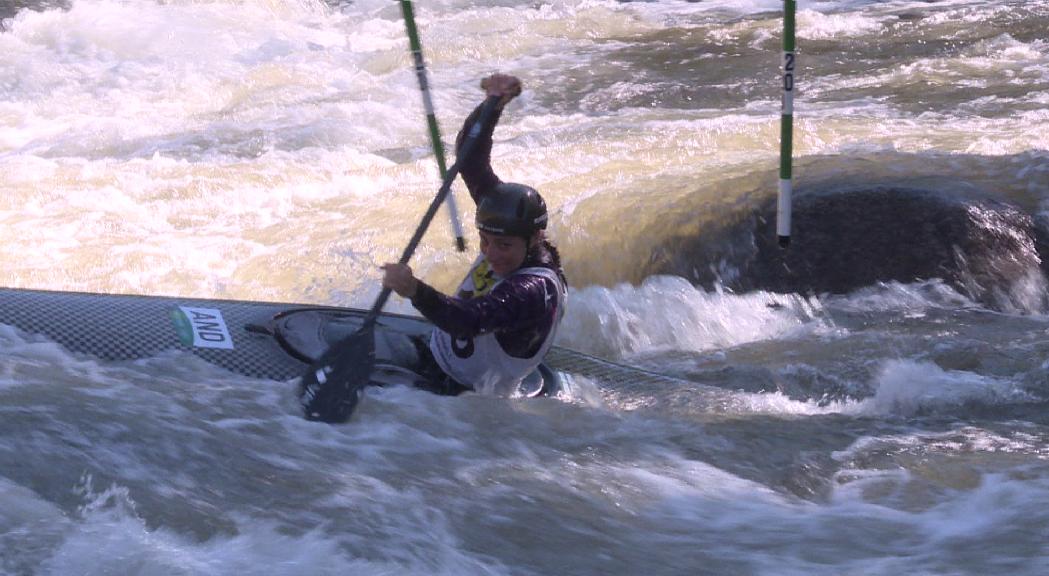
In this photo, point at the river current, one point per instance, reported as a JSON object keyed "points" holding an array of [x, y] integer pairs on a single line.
{"points": [[277, 150]]}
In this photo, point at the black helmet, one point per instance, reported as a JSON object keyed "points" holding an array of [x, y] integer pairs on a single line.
{"points": [[512, 210]]}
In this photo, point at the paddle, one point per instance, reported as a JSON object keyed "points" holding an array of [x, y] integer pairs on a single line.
{"points": [[431, 116], [332, 386]]}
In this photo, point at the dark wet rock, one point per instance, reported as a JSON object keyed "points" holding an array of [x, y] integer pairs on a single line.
{"points": [[986, 249], [9, 8]]}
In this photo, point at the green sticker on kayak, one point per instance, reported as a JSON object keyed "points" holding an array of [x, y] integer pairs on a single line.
{"points": [[201, 327]]}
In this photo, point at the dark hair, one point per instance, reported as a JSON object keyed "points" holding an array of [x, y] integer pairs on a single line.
{"points": [[545, 255]]}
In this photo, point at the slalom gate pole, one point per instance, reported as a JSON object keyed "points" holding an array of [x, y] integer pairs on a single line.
{"points": [[431, 117], [786, 139]]}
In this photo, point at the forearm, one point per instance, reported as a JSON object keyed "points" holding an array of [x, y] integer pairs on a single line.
{"points": [[476, 169], [447, 313], [508, 306]]}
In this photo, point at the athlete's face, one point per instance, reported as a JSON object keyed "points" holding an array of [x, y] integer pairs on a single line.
{"points": [[504, 253]]}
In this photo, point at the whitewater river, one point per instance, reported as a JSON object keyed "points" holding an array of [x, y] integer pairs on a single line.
{"points": [[276, 150]]}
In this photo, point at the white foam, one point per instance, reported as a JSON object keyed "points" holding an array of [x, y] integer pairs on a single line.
{"points": [[907, 387], [813, 25], [668, 313], [780, 404], [901, 388], [855, 531], [914, 299], [110, 538]]}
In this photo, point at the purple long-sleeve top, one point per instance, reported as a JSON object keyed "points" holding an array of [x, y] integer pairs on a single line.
{"points": [[521, 310]]}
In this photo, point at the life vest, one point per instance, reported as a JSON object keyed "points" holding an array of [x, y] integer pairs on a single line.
{"points": [[480, 362]]}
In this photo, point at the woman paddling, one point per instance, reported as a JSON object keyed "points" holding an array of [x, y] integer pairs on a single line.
{"points": [[498, 327]]}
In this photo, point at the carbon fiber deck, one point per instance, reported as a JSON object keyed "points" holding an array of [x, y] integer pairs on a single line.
{"points": [[127, 327], [120, 327]]}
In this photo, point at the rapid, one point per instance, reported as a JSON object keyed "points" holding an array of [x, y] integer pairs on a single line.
{"points": [[276, 150]]}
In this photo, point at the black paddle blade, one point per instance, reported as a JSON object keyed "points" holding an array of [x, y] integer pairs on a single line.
{"points": [[332, 387]]}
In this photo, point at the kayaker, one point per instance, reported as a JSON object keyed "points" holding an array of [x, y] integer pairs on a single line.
{"points": [[503, 319]]}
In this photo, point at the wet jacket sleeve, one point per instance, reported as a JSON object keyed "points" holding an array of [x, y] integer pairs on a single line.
{"points": [[476, 170], [518, 302]]}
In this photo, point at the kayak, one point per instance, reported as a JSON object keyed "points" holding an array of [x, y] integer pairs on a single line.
{"points": [[270, 340]]}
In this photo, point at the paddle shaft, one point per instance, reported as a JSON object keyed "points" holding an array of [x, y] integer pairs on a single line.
{"points": [[431, 116], [464, 152]]}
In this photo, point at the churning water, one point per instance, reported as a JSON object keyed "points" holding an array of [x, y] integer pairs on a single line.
{"points": [[276, 150]]}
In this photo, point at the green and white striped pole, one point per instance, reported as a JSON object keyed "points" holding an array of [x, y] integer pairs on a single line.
{"points": [[431, 118], [786, 137]]}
